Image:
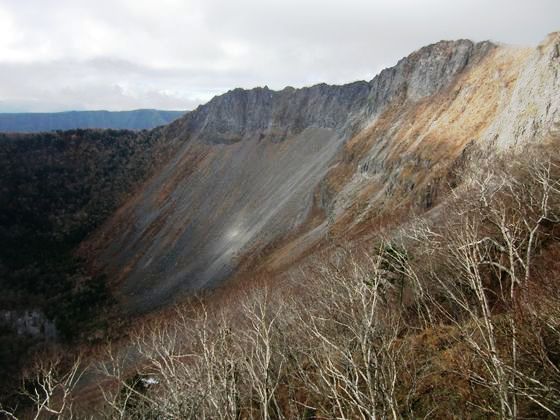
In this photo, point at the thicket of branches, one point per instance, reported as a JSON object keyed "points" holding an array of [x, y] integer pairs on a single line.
{"points": [[455, 314]]}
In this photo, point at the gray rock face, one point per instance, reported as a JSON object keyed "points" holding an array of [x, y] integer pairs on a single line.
{"points": [[425, 71], [276, 114], [246, 167], [30, 322], [534, 107]]}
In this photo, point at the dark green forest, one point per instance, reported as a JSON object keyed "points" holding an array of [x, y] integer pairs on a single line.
{"points": [[55, 188]]}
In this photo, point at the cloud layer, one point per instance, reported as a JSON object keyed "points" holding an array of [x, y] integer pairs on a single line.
{"points": [[174, 54]]}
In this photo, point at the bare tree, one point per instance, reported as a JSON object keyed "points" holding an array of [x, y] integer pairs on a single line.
{"points": [[261, 352], [50, 389], [484, 261], [355, 355]]}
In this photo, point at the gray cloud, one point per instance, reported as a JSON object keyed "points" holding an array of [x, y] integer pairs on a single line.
{"points": [[174, 54]]}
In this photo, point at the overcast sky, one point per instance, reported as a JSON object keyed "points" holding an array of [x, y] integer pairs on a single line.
{"points": [[174, 54]]}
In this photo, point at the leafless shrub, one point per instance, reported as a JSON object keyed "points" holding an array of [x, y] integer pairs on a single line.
{"points": [[48, 392], [354, 359], [481, 272]]}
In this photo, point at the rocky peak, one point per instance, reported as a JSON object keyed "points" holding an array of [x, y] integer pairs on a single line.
{"points": [[433, 67], [424, 72]]}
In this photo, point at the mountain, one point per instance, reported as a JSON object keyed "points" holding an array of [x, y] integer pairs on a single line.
{"points": [[289, 168], [258, 203], [139, 119]]}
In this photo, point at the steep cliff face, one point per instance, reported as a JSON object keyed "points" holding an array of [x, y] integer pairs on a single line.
{"points": [[261, 112], [256, 167], [509, 98], [532, 107]]}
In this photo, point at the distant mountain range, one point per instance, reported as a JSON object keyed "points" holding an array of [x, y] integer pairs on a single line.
{"points": [[132, 120]]}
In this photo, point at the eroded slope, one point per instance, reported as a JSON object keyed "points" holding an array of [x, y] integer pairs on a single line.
{"points": [[246, 171], [406, 160]]}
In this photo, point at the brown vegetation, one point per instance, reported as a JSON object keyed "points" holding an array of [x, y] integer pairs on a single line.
{"points": [[457, 315]]}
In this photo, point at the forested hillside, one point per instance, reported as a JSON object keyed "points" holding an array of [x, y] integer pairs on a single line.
{"points": [[55, 189]]}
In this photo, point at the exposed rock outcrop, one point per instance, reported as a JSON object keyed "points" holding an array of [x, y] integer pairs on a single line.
{"points": [[533, 108]]}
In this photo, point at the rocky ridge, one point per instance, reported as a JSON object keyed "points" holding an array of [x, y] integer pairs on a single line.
{"points": [[246, 170], [262, 112]]}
